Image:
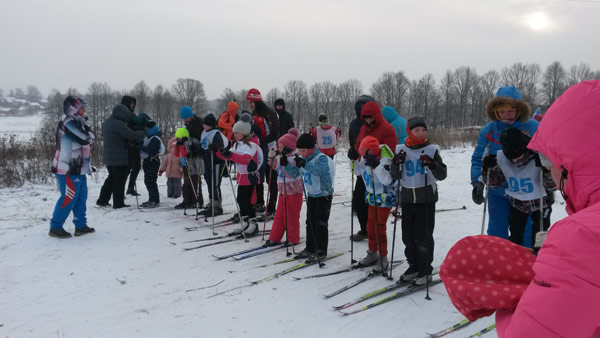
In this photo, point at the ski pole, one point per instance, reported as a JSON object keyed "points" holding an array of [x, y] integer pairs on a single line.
{"points": [[311, 225], [268, 196], [137, 203], [426, 228], [236, 205], [485, 200], [383, 273], [352, 260], [395, 220], [214, 196]]}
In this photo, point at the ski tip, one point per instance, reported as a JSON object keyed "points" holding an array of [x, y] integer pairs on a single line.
{"points": [[344, 313], [464, 207]]}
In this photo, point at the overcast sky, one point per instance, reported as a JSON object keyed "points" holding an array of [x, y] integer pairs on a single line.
{"points": [[264, 43]]}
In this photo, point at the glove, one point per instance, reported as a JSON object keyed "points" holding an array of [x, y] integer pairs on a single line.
{"points": [[160, 172], [477, 194], [283, 161], [272, 153], [353, 154], [400, 157], [286, 151], [226, 152], [489, 162], [213, 147], [371, 161], [182, 162], [427, 161], [300, 162]]}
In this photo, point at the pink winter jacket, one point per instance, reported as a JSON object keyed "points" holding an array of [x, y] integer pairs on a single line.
{"points": [[170, 164], [563, 300]]}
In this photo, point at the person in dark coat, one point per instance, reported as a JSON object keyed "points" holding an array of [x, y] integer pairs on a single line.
{"points": [[115, 135], [133, 151], [286, 120], [361, 208]]}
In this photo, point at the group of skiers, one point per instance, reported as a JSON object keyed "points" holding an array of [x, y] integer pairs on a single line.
{"points": [[515, 171]]}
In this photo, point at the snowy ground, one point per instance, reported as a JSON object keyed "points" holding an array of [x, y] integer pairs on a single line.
{"points": [[130, 278], [23, 127]]}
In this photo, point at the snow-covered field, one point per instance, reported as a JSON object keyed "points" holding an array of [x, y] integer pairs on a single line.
{"points": [[132, 277], [23, 127]]}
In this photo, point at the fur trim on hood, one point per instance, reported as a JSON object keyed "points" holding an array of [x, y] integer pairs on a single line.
{"points": [[523, 108]]}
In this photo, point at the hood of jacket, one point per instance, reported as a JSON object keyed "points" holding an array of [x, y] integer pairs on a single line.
{"points": [[390, 114], [523, 108], [374, 113], [360, 102], [121, 112], [567, 137]]}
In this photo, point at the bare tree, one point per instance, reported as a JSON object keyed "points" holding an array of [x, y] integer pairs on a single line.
{"points": [[525, 77], [578, 73], [346, 94], [33, 94], [391, 89], [296, 97], [465, 80], [554, 82], [190, 92], [142, 94], [421, 94], [273, 95]]}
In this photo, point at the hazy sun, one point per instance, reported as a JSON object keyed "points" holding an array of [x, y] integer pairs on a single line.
{"points": [[538, 21]]}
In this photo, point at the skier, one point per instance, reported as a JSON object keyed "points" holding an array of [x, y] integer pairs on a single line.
{"points": [[381, 195], [189, 152], [247, 156], [421, 166], [361, 208], [318, 174], [506, 109], [115, 135], [150, 151], [70, 165], [287, 216], [325, 136], [286, 121], [398, 122], [521, 168], [170, 165], [268, 122], [213, 140]]}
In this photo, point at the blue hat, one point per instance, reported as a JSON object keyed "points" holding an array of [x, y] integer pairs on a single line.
{"points": [[153, 131], [509, 91], [186, 112]]}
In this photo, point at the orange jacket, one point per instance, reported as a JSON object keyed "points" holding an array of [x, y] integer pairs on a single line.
{"points": [[227, 120]]}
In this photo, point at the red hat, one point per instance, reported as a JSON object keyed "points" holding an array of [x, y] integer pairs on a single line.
{"points": [[370, 109], [289, 140], [253, 95], [483, 274], [369, 143]]}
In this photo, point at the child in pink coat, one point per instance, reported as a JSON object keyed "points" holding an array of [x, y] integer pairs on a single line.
{"points": [[289, 204], [170, 166]]}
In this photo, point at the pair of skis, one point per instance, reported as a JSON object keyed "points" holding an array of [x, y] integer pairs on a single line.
{"points": [[222, 239], [343, 270], [460, 325]]}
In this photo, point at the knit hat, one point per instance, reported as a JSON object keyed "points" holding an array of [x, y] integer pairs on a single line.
{"points": [[279, 102], [370, 109], [242, 127], [416, 121], [127, 101], [289, 140], [72, 104], [483, 274], [182, 132], [246, 117], [210, 120], [369, 143], [232, 107], [514, 142], [186, 112], [153, 131], [305, 141], [323, 119], [253, 95]]}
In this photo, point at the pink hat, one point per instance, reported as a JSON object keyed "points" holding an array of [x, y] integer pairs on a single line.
{"points": [[289, 139], [253, 95]]}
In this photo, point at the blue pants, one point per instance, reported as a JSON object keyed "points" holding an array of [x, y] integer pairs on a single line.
{"points": [[73, 195], [498, 212]]}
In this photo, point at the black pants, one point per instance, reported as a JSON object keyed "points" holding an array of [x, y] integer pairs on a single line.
{"points": [[114, 186], [244, 196], [133, 167], [209, 173], [273, 191], [189, 187], [360, 206], [317, 222], [418, 222], [517, 221], [151, 166]]}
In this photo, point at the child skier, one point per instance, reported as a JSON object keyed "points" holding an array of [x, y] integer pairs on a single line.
{"points": [[326, 136], [247, 156], [150, 151], [421, 166], [318, 174], [212, 140], [521, 168], [170, 165], [287, 216], [380, 194]]}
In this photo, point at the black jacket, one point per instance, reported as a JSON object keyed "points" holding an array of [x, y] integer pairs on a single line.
{"points": [[286, 120]]}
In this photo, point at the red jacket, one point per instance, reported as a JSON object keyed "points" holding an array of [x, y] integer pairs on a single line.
{"points": [[380, 129]]}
